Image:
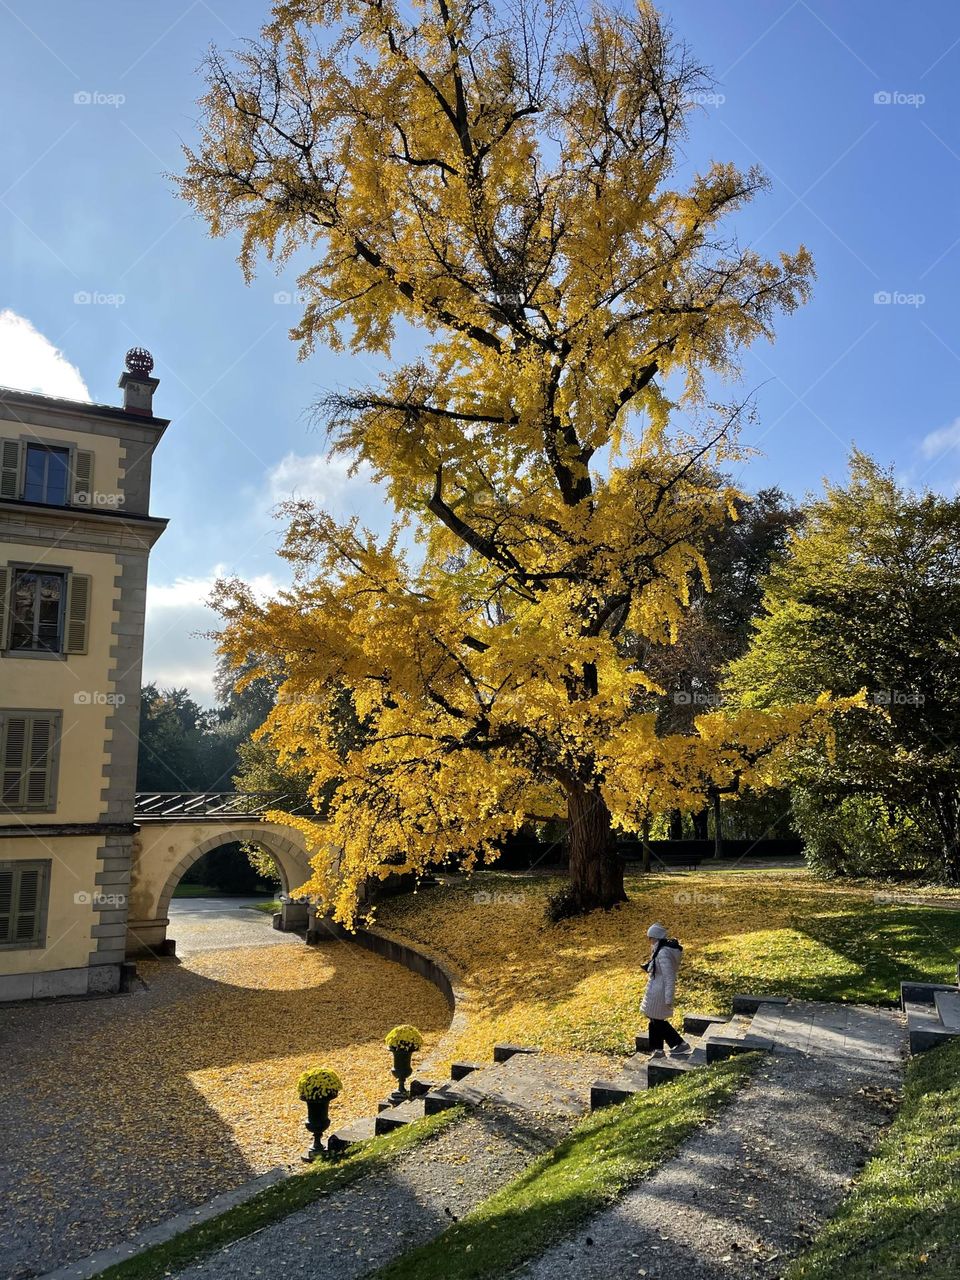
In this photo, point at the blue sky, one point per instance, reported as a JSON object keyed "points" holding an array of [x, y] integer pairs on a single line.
{"points": [[851, 108]]}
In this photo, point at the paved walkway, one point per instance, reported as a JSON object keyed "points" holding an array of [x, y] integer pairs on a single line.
{"points": [[214, 924], [748, 1192]]}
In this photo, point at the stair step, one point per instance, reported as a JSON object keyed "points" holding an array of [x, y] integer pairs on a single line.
{"points": [[358, 1131], [439, 1099], [632, 1079], [719, 1048], [696, 1024], [504, 1052], [418, 1088], [459, 1070], [396, 1117], [750, 1004], [661, 1070]]}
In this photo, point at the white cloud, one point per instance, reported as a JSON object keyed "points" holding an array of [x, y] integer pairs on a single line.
{"points": [[315, 475], [176, 652], [30, 362], [937, 442]]}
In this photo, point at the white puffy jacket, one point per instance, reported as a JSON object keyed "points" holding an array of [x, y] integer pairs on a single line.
{"points": [[658, 998]]}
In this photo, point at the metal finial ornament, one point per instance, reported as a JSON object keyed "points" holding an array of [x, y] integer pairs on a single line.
{"points": [[139, 360]]}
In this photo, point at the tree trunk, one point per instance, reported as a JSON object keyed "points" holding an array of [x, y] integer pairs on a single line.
{"points": [[701, 829], [717, 827], [596, 872], [676, 824], [645, 840]]}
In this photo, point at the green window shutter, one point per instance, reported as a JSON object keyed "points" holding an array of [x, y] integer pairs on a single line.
{"points": [[9, 468], [38, 777], [27, 920], [29, 748], [5, 613], [23, 902], [6, 903], [12, 776], [82, 494], [77, 616]]}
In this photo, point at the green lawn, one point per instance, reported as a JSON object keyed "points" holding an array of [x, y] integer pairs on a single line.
{"points": [[903, 1216], [270, 907], [269, 1206], [608, 1151], [195, 891]]}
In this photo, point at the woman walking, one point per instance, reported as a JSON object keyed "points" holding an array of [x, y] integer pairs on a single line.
{"points": [[665, 956]]}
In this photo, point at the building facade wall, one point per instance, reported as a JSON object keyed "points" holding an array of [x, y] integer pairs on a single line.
{"points": [[86, 837]]}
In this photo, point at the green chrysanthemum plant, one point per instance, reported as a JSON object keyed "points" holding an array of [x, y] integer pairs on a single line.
{"points": [[404, 1037], [318, 1083]]}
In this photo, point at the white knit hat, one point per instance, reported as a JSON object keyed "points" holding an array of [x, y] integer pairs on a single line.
{"points": [[656, 931]]}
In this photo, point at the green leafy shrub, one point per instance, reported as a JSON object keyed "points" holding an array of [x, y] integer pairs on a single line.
{"points": [[857, 836]]}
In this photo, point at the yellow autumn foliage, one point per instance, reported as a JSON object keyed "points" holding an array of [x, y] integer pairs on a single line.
{"points": [[511, 191]]}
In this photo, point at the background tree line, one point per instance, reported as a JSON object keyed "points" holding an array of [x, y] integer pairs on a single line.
{"points": [[858, 589]]}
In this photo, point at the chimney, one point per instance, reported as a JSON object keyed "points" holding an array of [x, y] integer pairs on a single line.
{"points": [[138, 386]]}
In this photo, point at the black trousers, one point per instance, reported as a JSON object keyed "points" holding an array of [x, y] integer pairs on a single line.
{"points": [[661, 1030]]}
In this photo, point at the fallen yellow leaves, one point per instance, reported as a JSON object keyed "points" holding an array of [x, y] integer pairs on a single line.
{"points": [[137, 1107], [577, 985]]}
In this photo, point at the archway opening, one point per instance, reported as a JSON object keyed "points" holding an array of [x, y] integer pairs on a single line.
{"points": [[232, 870]]}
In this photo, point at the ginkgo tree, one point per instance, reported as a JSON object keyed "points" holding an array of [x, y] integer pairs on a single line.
{"points": [[503, 181]]}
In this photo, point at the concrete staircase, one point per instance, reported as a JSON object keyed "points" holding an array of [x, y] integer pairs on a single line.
{"points": [[523, 1078], [520, 1078], [712, 1039], [933, 1013]]}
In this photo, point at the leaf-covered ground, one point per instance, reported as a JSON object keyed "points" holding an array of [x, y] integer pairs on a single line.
{"points": [[121, 1112], [577, 985]]}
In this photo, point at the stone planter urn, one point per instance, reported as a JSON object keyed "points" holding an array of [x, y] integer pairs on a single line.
{"points": [[317, 1089], [403, 1042], [402, 1068], [318, 1122]]}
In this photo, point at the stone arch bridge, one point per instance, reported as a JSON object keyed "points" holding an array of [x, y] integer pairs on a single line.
{"points": [[177, 828]]}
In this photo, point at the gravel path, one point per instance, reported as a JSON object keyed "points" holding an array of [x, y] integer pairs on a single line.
{"points": [[747, 1192], [354, 1231], [116, 1114]]}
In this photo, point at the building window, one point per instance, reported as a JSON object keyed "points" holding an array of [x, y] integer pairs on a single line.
{"points": [[37, 621], [28, 760], [53, 475], [46, 475], [44, 611], [24, 889]]}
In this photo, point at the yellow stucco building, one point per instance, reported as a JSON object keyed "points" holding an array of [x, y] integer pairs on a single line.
{"points": [[75, 535]]}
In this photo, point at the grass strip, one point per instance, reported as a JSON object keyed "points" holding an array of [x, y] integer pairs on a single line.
{"points": [[903, 1216], [276, 1202], [608, 1152]]}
